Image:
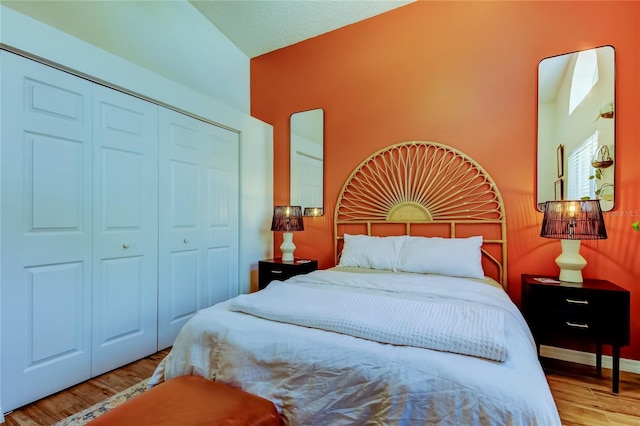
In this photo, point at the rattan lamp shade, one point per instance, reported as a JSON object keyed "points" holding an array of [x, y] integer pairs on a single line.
{"points": [[287, 219], [571, 222]]}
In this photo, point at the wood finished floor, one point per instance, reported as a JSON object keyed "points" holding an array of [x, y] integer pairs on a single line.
{"points": [[582, 398], [76, 398]]}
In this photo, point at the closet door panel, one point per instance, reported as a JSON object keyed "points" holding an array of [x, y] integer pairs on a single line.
{"points": [[183, 193], [121, 276], [222, 229], [198, 219], [184, 280], [53, 173], [125, 229], [180, 224], [59, 288], [46, 230], [220, 274]]}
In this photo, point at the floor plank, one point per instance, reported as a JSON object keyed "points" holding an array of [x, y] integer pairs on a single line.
{"points": [[581, 396]]}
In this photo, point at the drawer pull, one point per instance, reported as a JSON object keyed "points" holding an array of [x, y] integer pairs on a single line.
{"points": [[276, 272], [575, 325], [577, 302]]}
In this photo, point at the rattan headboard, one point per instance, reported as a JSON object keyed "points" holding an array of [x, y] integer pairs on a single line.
{"points": [[424, 189]]}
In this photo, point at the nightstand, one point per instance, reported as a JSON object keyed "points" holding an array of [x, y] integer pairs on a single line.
{"points": [[277, 269], [594, 311]]}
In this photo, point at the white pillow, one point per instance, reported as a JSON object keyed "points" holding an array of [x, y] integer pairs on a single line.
{"points": [[363, 251], [456, 257]]}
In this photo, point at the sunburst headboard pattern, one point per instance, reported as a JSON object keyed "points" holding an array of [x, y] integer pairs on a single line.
{"points": [[425, 189]]}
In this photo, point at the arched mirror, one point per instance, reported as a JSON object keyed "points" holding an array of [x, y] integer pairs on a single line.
{"points": [[576, 127], [307, 161]]}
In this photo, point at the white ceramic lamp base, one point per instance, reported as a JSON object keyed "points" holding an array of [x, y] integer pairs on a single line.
{"points": [[570, 261], [287, 247]]}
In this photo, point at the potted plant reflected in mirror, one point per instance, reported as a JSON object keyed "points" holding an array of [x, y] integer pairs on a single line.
{"points": [[601, 161], [606, 110], [605, 192], [602, 158]]}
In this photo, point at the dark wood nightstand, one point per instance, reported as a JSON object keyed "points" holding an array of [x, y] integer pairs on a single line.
{"points": [[594, 311], [277, 269]]}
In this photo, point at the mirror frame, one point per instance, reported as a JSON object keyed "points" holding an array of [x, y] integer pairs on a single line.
{"points": [[306, 145], [595, 112]]}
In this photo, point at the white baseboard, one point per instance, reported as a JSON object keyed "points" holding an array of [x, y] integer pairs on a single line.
{"points": [[587, 358]]}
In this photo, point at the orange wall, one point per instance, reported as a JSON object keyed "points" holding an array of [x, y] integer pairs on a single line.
{"points": [[463, 74]]}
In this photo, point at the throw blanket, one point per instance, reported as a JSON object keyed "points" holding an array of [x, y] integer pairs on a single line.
{"points": [[460, 328]]}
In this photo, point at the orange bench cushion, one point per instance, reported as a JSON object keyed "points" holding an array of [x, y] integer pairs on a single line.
{"points": [[192, 400]]}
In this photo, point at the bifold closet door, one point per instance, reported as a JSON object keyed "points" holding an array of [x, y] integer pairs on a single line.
{"points": [[125, 231], [198, 219], [46, 230]]}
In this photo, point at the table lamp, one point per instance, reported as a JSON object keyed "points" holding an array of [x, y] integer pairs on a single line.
{"points": [[571, 222], [287, 219]]}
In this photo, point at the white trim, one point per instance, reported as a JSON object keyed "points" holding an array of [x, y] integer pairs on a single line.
{"points": [[588, 358]]}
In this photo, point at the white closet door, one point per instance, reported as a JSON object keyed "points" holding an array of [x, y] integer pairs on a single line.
{"points": [[198, 219], [125, 238], [46, 230], [221, 221]]}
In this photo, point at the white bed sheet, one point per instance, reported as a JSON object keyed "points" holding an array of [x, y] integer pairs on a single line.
{"points": [[317, 377]]}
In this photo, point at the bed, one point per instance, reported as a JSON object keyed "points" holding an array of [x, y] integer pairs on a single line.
{"points": [[413, 325]]}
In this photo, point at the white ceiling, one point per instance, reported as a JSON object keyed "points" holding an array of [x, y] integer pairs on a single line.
{"points": [[550, 73], [175, 38], [261, 26]]}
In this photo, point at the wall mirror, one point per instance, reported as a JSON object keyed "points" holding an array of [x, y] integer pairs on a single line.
{"points": [[576, 127], [307, 161]]}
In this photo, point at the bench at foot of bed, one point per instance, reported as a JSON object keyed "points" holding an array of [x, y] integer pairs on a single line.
{"points": [[192, 400]]}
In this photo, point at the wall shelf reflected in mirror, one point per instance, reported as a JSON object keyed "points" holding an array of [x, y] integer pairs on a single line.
{"points": [[576, 127]]}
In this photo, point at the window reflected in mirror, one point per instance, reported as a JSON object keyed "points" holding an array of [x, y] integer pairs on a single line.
{"points": [[307, 161], [576, 127]]}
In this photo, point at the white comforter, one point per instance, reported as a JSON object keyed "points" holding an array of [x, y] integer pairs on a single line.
{"points": [[453, 326], [318, 377]]}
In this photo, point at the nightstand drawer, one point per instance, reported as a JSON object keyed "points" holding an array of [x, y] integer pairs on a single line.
{"points": [[571, 324], [275, 271], [594, 314], [565, 300], [270, 272], [279, 270]]}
